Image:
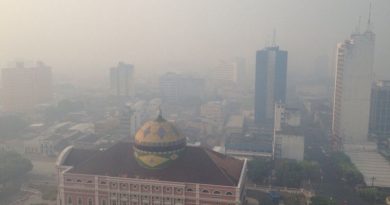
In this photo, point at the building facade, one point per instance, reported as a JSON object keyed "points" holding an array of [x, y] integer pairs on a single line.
{"points": [[26, 87], [157, 169], [122, 80], [176, 88], [352, 91], [380, 110], [270, 82], [289, 146]]}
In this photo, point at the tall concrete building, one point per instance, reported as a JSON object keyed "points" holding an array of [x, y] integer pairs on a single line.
{"points": [[226, 72], [122, 80], [175, 88], [270, 82], [352, 91], [380, 110], [25, 87]]}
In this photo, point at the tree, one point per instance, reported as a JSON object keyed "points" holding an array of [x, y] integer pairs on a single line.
{"points": [[311, 169], [12, 166], [372, 195], [288, 173], [346, 169], [259, 169], [321, 200]]}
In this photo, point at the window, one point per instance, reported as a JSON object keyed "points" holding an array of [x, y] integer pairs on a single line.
{"points": [[79, 201], [103, 182], [179, 190], [189, 190], [90, 201], [79, 180], [216, 192], [205, 191], [145, 188], [113, 202], [229, 193], [89, 181], [68, 180], [104, 202], [70, 200]]}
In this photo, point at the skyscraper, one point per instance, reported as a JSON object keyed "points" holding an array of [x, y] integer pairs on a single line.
{"points": [[270, 82], [176, 88], [122, 80], [380, 110], [353, 78], [26, 87]]}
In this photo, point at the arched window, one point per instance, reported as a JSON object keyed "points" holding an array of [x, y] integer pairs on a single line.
{"points": [[70, 200], [205, 191], [229, 193], [189, 190], [90, 201], [216, 192], [79, 201]]}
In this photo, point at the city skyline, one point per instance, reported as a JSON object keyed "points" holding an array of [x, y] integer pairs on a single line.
{"points": [[184, 45]]}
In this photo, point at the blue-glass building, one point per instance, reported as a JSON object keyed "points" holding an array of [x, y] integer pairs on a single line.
{"points": [[270, 82]]}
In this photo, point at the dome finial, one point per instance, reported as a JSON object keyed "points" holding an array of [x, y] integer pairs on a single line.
{"points": [[160, 117]]}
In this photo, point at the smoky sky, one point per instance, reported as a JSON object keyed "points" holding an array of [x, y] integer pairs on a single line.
{"points": [[83, 38]]}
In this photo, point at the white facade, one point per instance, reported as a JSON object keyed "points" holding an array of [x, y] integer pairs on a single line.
{"points": [[213, 111], [353, 78], [122, 80], [226, 71], [26, 87], [286, 116], [289, 146]]}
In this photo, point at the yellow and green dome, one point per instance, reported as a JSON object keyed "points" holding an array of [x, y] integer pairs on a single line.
{"points": [[157, 143]]}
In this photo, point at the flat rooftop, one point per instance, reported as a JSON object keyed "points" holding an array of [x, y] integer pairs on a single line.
{"points": [[370, 163]]}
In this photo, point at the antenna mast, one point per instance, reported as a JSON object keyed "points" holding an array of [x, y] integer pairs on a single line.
{"points": [[369, 24], [274, 38]]}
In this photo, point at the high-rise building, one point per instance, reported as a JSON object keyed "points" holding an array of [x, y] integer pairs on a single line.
{"points": [[175, 88], [226, 72], [158, 168], [380, 110], [270, 82], [122, 80], [26, 87], [352, 91]]}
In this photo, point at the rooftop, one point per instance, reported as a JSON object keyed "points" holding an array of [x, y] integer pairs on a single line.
{"points": [[196, 165]]}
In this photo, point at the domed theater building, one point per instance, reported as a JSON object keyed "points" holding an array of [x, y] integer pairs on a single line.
{"points": [[157, 169]]}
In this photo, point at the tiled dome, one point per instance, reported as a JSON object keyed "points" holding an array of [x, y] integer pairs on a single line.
{"points": [[158, 142]]}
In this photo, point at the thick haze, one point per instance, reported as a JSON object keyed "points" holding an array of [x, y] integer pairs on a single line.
{"points": [[89, 36]]}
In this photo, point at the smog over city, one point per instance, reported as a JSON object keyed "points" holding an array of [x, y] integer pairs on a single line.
{"points": [[194, 102]]}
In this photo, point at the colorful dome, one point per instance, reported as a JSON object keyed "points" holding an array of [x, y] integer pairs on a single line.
{"points": [[157, 143]]}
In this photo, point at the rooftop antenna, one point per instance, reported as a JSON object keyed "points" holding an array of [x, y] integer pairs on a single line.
{"points": [[369, 24], [359, 23], [274, 38]]}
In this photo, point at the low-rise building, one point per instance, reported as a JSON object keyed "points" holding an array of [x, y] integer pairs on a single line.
{"points": [[157, 169]]}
